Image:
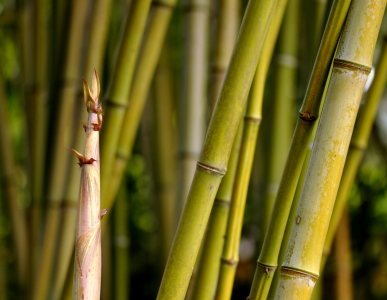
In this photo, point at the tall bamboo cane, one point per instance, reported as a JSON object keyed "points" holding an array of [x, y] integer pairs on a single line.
{"points": [[192, 115], [119, 88], [213, 161], [87, 265], [268, 259], [352, 64], [93, 59], [252, 120], [359, 143], [62, 137], [209, 261], [154, 36]]}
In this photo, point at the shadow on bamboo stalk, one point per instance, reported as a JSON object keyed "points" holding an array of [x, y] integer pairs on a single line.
{"points": [[268, 259], [214, 157], [62, 136], [352, 64]]}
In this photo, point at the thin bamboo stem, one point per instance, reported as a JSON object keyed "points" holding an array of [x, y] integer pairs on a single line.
{"points": [[194, 96], [268, 259], [11, 193], [87, 265], [215, 153], [60, 158], [119, 89], [252, 120], [352, 64], [154, 36], [100, 16], [359, 143]]}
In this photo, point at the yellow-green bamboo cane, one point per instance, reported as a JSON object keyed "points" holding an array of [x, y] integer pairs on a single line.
{"points": [[87, 263], [359, 143], [154, 36], [252, 120], [119, 88], [352, 64], [214, 156], [60, 158], [93, 59], [268, 259], [282, 104], [192, 115], [11, 193]]}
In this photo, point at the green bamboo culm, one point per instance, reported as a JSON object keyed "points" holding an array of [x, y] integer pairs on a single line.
{"points": [[64, 111], [214, 156], [268, 259], [209, 261], [119, 89], [351, 66], [95, 51], [252, 120], [159, 19], [358, 145]]}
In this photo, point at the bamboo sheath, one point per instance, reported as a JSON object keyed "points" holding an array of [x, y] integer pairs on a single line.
{"points": [[358, 145], [192, 116], [216, 149], [209, 261], [11, 194], [93, 59], [57, 180], [252, 120], [352, 64], [268, 259], [87, 263], [158, 23], [119, 88]]}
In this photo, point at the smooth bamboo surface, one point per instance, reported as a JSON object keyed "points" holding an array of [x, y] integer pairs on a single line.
{"points": [[359, 143], [154, 36], [352, 64], [268, 259], [216, 149]]}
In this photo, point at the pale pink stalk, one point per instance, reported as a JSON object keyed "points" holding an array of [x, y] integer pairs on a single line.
{"points": [[87, 265]]}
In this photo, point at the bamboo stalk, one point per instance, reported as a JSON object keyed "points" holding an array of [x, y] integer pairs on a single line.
{"points": [[119, 89], [359, 143], [280, 133], [100, 16], [352, 64], [268, 259], [194, 96], [343, 257], [252, 120], [11, 195], [159, 19], [60, 158], [204, 285], [87, 265], [216, 149]]}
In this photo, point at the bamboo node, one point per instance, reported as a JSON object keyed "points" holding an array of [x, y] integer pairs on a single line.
{"points": [[210, 170], [256, 121], [230, 262], [306, 116], [348, 65], [82, 159], [292, 271]]}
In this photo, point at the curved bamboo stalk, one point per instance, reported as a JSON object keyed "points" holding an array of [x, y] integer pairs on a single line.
{"points": [[60, 158], [352, 64], [87, 264], [359, 143], [268, 259], [11, 193], [252, 120], [204, 285], [194, 96], [214, 157], [154, 36], [100, 16], [119, 89]]}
